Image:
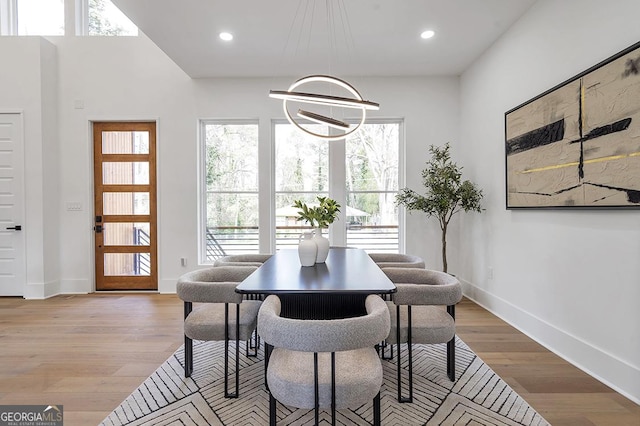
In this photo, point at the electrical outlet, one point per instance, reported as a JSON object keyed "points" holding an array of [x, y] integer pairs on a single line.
{"points": [[74, 207], [490, 272], [183, 261]]}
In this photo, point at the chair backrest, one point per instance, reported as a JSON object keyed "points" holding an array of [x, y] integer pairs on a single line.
{"points": [[213, 285], [417, 286], [397, 260], [252, 259], [324, 335]]}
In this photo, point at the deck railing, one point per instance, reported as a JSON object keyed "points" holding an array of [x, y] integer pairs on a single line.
{"points": [[141, 261], [228, 240]]}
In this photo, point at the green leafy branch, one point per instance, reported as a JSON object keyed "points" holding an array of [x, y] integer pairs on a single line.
{"points": [[323, 214]]}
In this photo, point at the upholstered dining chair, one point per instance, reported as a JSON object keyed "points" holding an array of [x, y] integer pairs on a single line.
{"points": [[324, 363], [396, 260], [418, 315], [213, 289], [251, 259]]}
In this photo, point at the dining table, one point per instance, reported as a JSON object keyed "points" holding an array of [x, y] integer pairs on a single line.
{"points": [[334, 289]]}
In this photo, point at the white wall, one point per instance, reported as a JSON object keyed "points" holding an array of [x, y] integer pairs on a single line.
{"points": [[130, 78], [570, 279], [122, 78], [50, 167], [28, 84]]}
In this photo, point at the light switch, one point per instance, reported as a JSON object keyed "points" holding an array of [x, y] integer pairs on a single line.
{"points": [[74, 207]]}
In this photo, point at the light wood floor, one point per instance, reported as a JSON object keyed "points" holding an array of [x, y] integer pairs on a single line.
{"points": [[89, 352]]}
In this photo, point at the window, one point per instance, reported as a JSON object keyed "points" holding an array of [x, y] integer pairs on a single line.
{"points": [[229, 196], [47, 17], [361, 173], [372, 172], [40, 17], [301, 173], [105, 19]]}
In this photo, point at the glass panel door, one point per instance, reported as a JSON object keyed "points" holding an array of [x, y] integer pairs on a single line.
{"points": [[125, 206]]}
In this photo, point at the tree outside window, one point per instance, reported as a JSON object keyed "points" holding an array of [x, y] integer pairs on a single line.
{"points": [[105, 19], [301, 173], [301, 167], [230, 184], [372, 172]]}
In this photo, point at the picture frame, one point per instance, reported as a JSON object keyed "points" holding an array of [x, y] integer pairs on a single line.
{"points": [[577, 145]]}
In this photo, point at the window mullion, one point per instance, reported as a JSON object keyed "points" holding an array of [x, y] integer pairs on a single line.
{"points": [[8, 17], [338, 191], [81, 16]]}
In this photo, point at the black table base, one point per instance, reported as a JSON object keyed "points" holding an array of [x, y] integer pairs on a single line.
{"points": [[322, 306]]}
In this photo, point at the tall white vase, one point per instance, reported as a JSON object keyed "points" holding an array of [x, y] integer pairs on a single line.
{"points": [[307, 249], [323, 245]]}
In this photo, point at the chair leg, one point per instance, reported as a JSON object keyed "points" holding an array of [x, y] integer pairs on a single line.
{"points": [[227, 394], [237, 350], [333, 389], [383, 349], [316, 389], [252, 343], [451, 348], [401, 398], [272, 410], [451, 359], [376, 410], [188, 344], [267, 354], [188, 356]]}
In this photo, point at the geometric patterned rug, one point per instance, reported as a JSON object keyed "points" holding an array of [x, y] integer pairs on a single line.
{"points": [[477, 397]]}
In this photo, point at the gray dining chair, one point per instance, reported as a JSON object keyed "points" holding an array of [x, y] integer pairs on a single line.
{"points": [[422, 311], [324, 363], [213, 289], [397, 260], [250, 259]]}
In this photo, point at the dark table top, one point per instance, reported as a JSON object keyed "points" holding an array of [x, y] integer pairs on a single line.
{"points": [[346, 271]]}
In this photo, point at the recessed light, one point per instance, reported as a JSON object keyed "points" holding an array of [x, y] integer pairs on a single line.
{"points": [[427, 34], [226, 36]]}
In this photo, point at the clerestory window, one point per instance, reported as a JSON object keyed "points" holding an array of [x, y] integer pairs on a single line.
{"points": [[47, 18], [103, 18]]}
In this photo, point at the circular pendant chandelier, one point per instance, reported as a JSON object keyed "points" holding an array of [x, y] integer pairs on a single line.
{"points": [[326, 100]]}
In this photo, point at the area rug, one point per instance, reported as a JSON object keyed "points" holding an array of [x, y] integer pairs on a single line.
{"points": [[478, 396]]}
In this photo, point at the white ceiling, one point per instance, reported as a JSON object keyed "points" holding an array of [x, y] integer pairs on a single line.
{"points": [[284, 38]]}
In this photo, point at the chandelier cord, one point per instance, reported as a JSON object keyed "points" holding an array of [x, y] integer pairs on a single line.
{"points": [[333, 13], [348, 34], [288, 45]]}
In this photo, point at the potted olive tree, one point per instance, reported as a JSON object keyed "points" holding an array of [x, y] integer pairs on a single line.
{"points": [[446, 193], [319, 216]]}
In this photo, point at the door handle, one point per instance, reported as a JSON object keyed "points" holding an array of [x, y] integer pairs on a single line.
{"points": [[15, 228]]}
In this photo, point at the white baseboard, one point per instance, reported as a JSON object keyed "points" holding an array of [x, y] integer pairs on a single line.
{"points": [[167, 286], [81, 286], [607, 368], [41, 290]]}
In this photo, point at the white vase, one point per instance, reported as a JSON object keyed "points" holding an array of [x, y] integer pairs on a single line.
{"points": [[307, 249], [323, 245]]}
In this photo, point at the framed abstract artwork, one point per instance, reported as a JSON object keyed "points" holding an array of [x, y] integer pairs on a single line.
{"points": [[578, 144]]}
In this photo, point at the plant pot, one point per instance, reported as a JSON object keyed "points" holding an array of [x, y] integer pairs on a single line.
{"points": [[323, 245]]}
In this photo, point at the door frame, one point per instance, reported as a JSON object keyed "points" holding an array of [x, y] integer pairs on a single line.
{"points": [[91, 186], [22, 187]]}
